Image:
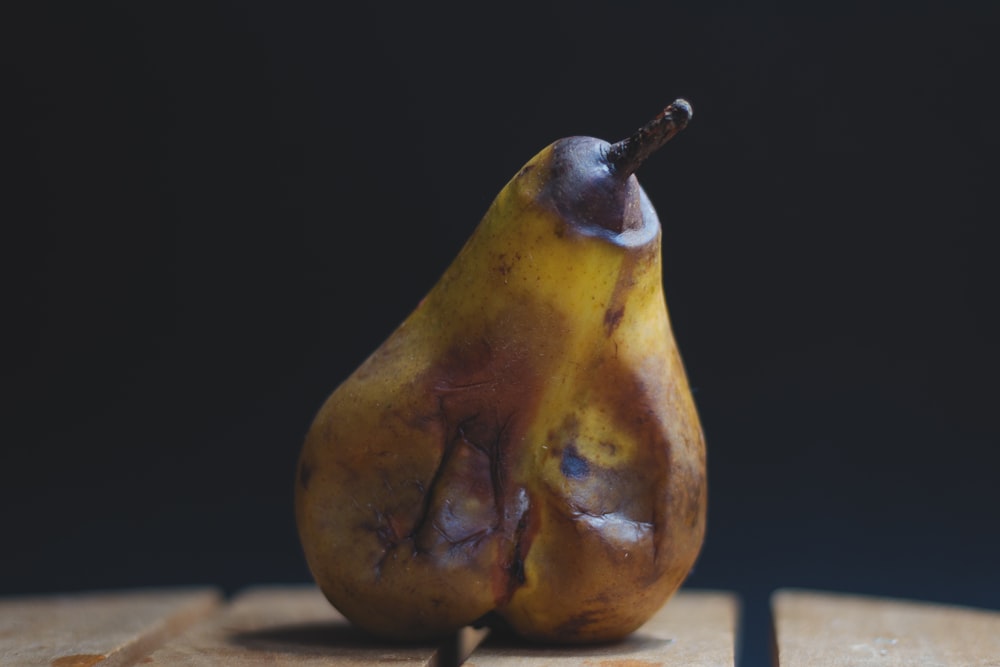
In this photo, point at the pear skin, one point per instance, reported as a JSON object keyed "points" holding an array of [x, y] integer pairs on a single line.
{"points": [[525, 444]]}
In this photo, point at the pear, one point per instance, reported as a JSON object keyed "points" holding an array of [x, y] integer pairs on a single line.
{"points": [[525, 445]]}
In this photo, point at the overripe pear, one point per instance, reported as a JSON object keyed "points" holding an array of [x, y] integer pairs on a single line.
{"points": [[525, 445]]}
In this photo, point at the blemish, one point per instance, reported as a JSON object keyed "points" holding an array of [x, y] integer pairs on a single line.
{"points": [[612, 318], [573, 465], [79, 660], [504, 266], [516, 575], [516, 570]]}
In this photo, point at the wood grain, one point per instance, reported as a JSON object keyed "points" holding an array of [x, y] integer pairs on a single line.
{"points": [[818, 629], [693, 628], [104, 629], [284, 625]]}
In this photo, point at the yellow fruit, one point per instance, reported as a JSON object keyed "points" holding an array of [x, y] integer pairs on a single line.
{"points": [[525, 443]]}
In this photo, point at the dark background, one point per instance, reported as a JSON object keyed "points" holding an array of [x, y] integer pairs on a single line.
{"points": [[213, 214]]}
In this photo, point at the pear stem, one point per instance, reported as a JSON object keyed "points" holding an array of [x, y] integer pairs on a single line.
{"points": [[625, 156]]}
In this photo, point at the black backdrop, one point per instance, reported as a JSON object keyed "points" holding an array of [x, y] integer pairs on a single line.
{"points": [[214, 213]]}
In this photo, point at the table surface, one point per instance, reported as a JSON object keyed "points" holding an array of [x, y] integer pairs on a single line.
{"points": [[295, 626]]}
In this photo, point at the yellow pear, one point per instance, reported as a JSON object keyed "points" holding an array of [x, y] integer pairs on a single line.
{"points": [[525, 445]]}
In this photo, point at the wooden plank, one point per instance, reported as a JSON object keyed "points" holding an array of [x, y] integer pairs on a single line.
{"points": [[693, 628], [284, 625], [820, 629], [104, 629]]}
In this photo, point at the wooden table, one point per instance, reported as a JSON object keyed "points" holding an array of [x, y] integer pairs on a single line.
{"points": [[295, 626]]}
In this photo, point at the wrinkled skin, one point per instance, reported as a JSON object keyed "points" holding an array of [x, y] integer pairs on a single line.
{"points": [[525, 443]]}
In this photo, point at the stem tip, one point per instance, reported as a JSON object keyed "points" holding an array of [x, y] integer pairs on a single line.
{"points": [[625, 156]]}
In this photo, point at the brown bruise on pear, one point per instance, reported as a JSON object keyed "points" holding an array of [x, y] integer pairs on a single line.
{"points": [[519, 445]]}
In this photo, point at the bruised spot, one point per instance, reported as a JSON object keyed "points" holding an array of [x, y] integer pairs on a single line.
{"points": [[573, 465], [79, 660], [504, 266], [305, 473], [612, 318]]}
